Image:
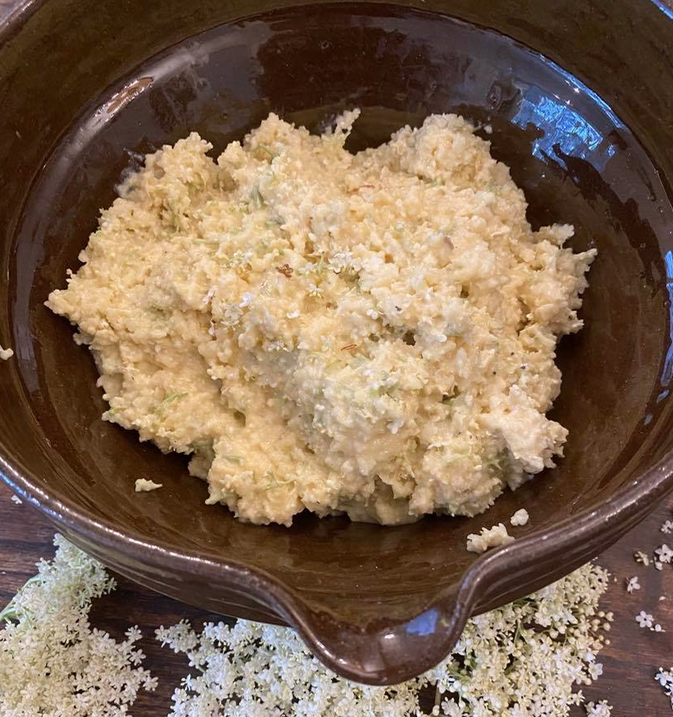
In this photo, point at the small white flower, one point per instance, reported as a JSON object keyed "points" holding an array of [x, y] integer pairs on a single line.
{"points": [[595, 670], [16, 499], [665, 677], [667, 526], [644, 619], [632, 584], [664, 553]]}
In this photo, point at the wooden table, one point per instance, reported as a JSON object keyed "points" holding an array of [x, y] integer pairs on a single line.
{"points": [[630, 660]]}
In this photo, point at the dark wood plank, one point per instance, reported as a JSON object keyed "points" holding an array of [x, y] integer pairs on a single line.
{"points": [[630, 661], [632, 658]]}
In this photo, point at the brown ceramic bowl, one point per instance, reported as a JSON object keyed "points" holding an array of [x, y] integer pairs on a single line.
{"points": [[85, 85]]}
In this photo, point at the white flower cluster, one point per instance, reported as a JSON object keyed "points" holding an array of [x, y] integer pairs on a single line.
{"points": [[517, 661], [599, 709], [520, 660], [52, 664]]}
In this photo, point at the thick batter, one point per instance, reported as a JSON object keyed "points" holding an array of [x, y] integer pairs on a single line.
{"points": [[371, 334]]}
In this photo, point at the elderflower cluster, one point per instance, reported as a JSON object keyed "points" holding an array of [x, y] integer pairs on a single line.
{"points": [[516, 661], [52, 663], [519, 660], [600, 709]]}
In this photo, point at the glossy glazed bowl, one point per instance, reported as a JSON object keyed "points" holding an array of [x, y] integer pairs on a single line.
{"points": [[580, 103]]}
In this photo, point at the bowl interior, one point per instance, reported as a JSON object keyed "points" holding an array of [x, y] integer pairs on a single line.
{"points": [[577, 163]]}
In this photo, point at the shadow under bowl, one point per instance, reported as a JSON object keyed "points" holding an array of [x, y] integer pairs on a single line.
{"points": [[87, 86]]}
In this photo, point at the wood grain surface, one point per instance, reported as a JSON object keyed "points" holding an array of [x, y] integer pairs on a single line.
{"points": [[630, 661]]}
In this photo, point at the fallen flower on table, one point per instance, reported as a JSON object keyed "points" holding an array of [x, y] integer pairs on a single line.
{"points": [[640, 557], [665, 679], [644, 619], [522, 659], [632, 584], [664, 553]]}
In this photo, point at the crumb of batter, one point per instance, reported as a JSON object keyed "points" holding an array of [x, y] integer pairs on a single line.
{"points": [[488, 538], [521, 517], [369, 334], [144, 486], [6, 354]]}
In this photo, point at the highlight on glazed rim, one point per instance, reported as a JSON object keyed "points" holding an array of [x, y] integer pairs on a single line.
{"points": [[371, 334]]}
